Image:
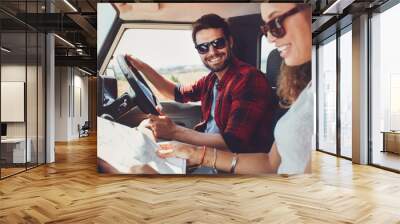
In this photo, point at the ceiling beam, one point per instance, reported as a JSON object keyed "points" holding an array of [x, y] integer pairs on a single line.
{"points": [[337, 7], [82, 61], [320, 22], [84, 24]]}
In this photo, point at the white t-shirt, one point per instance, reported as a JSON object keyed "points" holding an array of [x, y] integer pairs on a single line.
{"points": [[211, 124], [293, 134]]}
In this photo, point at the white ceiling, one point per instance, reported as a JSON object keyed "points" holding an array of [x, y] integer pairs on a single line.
{"points": [[183, 12]]}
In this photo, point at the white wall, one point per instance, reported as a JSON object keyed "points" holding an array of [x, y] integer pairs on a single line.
{"points": [[33, 126], [15, 73], [12, 73], [61, 103], [71, 102]]}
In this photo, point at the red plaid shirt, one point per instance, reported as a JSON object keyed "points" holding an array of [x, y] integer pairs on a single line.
{"points": [[243, 110]]}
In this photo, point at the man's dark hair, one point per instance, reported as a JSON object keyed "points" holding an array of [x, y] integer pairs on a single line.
{"points": [[210, 21]]}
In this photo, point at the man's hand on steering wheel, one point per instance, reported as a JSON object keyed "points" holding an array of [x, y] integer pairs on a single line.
{"points": [[135, 62]]}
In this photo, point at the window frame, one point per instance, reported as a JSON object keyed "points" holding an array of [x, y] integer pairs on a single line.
{"points": [[126, 25], [379, 10], [138, 25], [347, 27]]}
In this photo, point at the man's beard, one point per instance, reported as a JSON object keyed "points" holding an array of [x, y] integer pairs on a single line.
{"points": [[224, 65]]}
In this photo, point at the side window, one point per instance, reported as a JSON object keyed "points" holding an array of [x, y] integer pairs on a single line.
{"points": [[108, 16], [170, 52], [266, 48], [122, 84]]}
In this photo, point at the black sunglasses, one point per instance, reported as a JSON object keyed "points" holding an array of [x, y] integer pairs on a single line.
{"points": [[219, 43], [275, 26]]}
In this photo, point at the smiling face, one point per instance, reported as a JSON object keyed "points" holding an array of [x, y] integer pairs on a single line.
{"points": [[217, 60], [295, 46]]}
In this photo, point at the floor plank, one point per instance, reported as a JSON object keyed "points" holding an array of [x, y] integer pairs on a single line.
{"points": [[71, 191]]}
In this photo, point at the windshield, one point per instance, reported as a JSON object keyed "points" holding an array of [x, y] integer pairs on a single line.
{"points": [[169, 51]]}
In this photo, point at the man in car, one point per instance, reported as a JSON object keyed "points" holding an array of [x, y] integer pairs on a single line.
{"points": [[235, 97]]}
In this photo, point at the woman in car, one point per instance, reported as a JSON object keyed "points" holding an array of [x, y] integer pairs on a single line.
{"points": [[288, 26]]}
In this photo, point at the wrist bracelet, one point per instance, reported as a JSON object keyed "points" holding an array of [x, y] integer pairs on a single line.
{"points": [[215, 159], [234, 162]]}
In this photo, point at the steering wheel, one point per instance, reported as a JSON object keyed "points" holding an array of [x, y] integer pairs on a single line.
{"points": [[145, 98]]}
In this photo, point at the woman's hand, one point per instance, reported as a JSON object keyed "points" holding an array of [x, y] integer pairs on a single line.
{"points": [[191, 153]]}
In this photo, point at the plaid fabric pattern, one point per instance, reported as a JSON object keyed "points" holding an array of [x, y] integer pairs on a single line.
{"points": [[243, 111]]}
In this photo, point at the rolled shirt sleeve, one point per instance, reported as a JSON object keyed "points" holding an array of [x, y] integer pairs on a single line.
{"points": [[249, 122], [189, 93]]}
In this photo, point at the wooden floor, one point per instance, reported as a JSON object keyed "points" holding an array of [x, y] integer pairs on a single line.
{"points": [[71, 191], [5, 172], [10, 171]]}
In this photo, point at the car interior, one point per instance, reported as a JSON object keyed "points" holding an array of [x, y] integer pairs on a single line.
{"points": [[131, 107]]}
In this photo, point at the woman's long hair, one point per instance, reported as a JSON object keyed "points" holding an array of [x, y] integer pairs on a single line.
{"points": [[291, 81]]}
